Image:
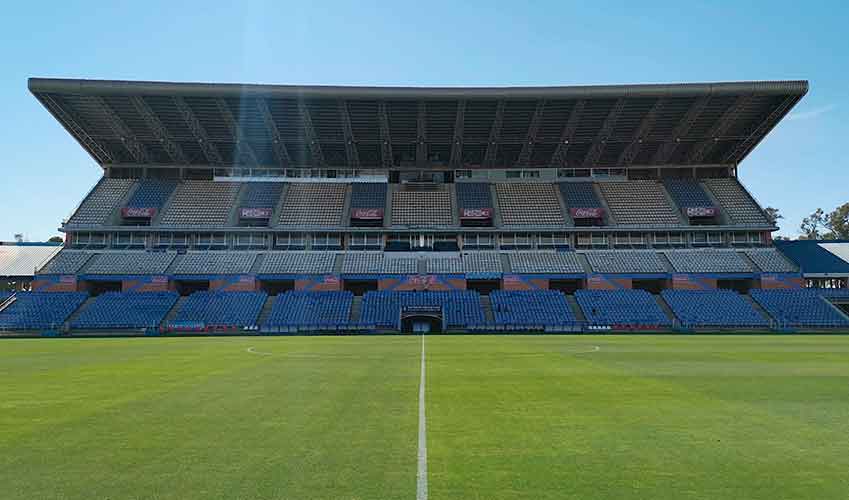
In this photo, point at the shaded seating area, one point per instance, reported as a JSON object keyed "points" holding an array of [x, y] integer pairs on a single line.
{"points": [[800, 308], [713, 308], [216, 310], [295, 311], [40, 310], [737, 205], [100, 204], [137, 310], [639, 203], [622, 309], [532, 310], [200, 203], [529, 204], [313, 204]]}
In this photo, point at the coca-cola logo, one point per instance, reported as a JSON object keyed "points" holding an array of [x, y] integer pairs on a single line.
{"points": [[586, 213], [138, 212], [476, 213], [701, 211], [367, 213], [255, 213]]}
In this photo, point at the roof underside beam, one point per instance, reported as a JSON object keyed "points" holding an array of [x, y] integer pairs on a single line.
{"points": [[489, 158], [350, 145], [243, 147], [199, 133], [604, 133], [457, 141], [100, 154], [760, 132], [385, 137], [531, 136], [682, 129], [120, 129], [159, 131], [277, 144], [633, 149], [421, 135], [704, 148], [312, 142], [558, 159]]}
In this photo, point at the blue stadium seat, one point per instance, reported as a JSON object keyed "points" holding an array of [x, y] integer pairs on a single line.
{"points": [[535, 309], [461, 308], [310, 311], [800, 308], [368, 195], [474, 195], [151, 193], [621, 309], [219, 310], [688, 193], [262, 195], [579, 195], [115, 310], [713, 308], [35, 310]]}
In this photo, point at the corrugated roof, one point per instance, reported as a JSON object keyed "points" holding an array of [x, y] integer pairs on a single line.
{"points": [[817, 257], [17, 261]]}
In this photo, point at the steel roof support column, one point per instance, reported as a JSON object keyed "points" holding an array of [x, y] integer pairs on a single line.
{"points": [[315, 148], [633, 149], [702, 149], [491, 154], [604, 133], [531, 136], [761, 131], [243, 148], [421, 135], [96, 150], [350, 145], [199, 133], [457, 141], [386, 157], [558, 159], [277, 145], [683, 128], [159, 131], [120, 129]]}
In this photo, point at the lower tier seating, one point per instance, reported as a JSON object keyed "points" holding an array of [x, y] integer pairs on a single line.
{"points": [[461, 308], [304, 310], [622, 309], [537, 308], [800, 308], [214, 309], [137, 310], [37, 310], [713, 308]]}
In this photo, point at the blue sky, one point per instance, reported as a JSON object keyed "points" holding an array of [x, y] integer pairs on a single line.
{"points": [[800, 166]]}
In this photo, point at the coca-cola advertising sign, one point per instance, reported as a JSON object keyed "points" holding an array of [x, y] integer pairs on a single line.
{"points": [[136, 212], [255, 213], [476, 213], [701, 211], [367, 213], [586, 213]]}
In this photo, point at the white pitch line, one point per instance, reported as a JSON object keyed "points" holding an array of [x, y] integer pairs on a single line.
{"points": [[594, 348], [260, 353], [421, 475]]}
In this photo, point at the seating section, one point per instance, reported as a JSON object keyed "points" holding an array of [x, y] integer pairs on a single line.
{"points": [[214, 263], [737, 205], [639, 203], [461, 308], [400, 265], [708, 261], [713, 308], [101, 203], [313, 204], [66, 262], [130, 263], [579, 195], [40, 310], [770, 260], [297, 263], [537, 308], [622, 309], [445, 265], [529, 204], [200, 203], [482, 262], [421, 208], [219, 310], [368, 195], [473, 195], [626, 261], [302, 310], [151, 193], [800, 308], [688, 193], [546, 262], [363, 263], [137, 310], [261, 195]]}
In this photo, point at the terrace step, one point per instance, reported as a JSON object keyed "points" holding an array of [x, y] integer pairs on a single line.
{"points": [[757, 307], [255, 267], [172, 313], [666, 309], [576, 309], [356, 309], [266, 310], [486, 305], [76, 314]]}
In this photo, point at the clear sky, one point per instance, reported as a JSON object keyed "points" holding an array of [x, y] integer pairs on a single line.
{"points": [[800, 166]]}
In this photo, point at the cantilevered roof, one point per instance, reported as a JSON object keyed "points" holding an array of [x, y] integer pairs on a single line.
{"points": [[188, 124]]}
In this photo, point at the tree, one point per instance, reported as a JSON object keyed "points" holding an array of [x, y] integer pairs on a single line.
{"points": [[838, 222], [55, 239], [814, 225], [772, 215]]}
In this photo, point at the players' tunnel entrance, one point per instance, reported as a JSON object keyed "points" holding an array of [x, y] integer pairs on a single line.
{"points": [[276, 287], [738, 285], [190, 287], [483, 287], [652, 286], [422, 319], [96, 288], [360, 287], [566, 286]]}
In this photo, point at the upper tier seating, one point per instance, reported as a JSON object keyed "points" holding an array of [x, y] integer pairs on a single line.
{"points": [[537, 308], [36, 310], [621, 308], [313, 204], [770, 260], [151, 193], [310, 311], [461, 308], [738, 207], [545, 262], [444, 265], [130, 263], [473, 195], [421, 208], [261, 195], [66, 262], [399, 265], [579, 195], [799, 308], [641, 203], [126, 310], [200, 203], [482, 262], [215, 309], [529, 204], [688, 193], [708, 261], [713, 308], [101, 203], [215, 263], [363, 263], [626, 261], [368, 195], [298, 263]]}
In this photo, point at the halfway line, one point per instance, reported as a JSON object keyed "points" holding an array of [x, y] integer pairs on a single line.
{"points": [[421, 476]]}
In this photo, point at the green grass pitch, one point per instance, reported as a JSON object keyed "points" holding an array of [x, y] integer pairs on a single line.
{"points": [[536, 417]]}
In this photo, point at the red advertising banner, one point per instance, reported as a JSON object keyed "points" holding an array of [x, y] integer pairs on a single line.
{"points": [[367, 213], [586, 213], [701, 211], [255, 213], [476, 213], [131, 212]]}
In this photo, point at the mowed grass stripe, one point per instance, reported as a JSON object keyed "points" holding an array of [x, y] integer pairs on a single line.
{"points": [[624, 423], [212, 421]]}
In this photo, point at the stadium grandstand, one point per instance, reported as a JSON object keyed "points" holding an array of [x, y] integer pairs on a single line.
{"points": [[292, 209]]}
